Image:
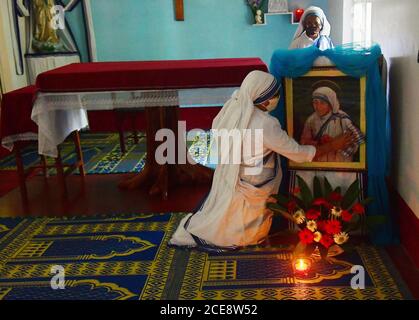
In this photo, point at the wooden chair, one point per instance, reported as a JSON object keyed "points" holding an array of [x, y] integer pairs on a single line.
{"points": [[24, 173]]}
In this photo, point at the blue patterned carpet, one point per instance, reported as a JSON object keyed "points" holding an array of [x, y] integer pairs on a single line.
{"points": [[102, 154], [127, 257]]}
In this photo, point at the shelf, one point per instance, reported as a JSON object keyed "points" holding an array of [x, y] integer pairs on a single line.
{"points": [[275, 14]]}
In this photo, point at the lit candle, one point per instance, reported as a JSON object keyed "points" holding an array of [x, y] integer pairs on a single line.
{"points": [[302, 265], [298, 14]]}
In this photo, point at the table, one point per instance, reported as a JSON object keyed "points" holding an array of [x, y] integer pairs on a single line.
{"points": [[17, 129], [158, 87]]}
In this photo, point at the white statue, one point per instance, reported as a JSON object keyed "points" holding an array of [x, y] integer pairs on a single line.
{"points": [[258, 17]]}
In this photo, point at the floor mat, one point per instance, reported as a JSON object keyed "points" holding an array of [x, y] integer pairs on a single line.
{"points": [[127, 257]]}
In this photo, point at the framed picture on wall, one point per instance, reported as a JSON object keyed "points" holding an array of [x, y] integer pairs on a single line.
{"points": [[321, 105], [278, 6]]}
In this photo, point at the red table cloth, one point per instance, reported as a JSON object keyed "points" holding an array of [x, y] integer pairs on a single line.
{"points": [[148, 75], [16, 106], [16, 109]]}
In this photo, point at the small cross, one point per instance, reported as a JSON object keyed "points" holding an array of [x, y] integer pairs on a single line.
{"points": [[179, 12]]}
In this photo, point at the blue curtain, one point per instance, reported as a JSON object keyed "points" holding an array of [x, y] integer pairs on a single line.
{"points": [[355, 61]]}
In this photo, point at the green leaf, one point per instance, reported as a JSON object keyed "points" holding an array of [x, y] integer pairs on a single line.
{"points": [[351, 195], [354, 224], [281, 198], [280, 210], [317, 188], [275, 207], [300, 203], [366, 201], [327, 188], [306, 195]]}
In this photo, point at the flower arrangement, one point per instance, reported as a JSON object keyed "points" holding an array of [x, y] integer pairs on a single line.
{"points": [[256, 7], [325, 218]]}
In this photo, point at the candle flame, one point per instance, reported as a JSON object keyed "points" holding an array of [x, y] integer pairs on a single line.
{"points": [[301, 265]]}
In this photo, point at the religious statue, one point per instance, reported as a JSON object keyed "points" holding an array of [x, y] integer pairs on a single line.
{"points": [[49, 45], [45, 38], [258, 17]]}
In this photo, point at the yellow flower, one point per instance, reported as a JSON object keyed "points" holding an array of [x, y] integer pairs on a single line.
{"points": [[299, 216], [337, 212], [341, 238], [312, 225], [317, 236]]}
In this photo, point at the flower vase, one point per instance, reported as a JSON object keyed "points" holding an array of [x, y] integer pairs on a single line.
{"points": [[317, 252], [333, 251]]}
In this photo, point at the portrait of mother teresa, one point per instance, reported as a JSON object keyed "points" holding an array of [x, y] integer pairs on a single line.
{"points": [[234, 213]]}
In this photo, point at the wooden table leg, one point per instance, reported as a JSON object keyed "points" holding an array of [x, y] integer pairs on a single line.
{"points": [[79, 152], [120, 127], [134, 127], [60, 171], [21, 172], [44, 166], [163, 177]]}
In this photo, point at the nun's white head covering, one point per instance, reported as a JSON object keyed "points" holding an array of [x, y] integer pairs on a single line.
{"points": [[328, 95], [325, 31], [256, 88]]}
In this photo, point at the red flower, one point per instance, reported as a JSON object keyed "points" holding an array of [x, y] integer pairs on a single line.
{"points": [[322, 202], [312, 214], [326, 241], [321, 225], [333, 227], [336, 197], [291, 205], [306, 236], [296, 190], [346, 216], [358, 208]]}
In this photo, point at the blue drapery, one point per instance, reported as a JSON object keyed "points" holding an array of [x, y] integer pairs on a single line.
{"points": [[355, 61]]}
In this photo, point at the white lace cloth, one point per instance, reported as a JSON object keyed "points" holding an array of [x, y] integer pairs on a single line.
{"points": [[59, 114]]}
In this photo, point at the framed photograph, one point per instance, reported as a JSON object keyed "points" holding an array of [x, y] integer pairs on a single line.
{"points": [[278, 6], [321, 105]]}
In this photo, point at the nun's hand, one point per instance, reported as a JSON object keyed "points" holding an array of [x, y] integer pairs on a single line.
{"points": [[342, 142]]}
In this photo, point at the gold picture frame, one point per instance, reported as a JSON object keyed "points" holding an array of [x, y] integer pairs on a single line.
{"points": [[351, 97]]}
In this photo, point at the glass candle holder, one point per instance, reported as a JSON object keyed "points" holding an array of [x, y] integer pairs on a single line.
{"points": [[298, 13], [302, 265]]}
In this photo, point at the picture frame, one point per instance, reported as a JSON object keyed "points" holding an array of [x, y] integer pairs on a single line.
{"points": [[307, 125], [278, 6]]}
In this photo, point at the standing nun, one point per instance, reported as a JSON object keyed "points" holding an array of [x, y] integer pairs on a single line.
{"points": [[314, 30]]}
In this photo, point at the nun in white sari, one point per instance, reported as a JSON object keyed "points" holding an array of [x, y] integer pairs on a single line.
{"points": [[303, 37], [234, 214]]}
